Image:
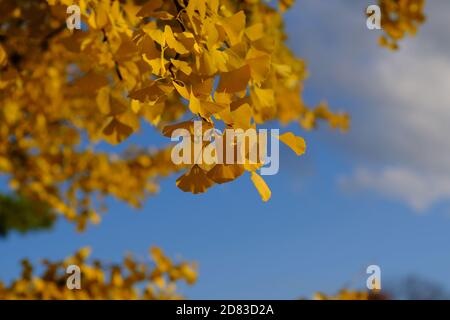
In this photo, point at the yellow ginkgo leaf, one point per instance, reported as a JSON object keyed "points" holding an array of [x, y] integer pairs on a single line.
{"points": [[261, 186], [90, 82], [204, 108], [213, 5], [158, 65], [234, 27], [147, 46], [103, 101], [297, 144], [196, 5], [222, 173], [135, 105], [101, 16], [149, 8], [115, 132], [255, 31], [152, 94], [182, 66], [263, 98], [170, 129], [186, 125], [157, 35], [194, 181], [117, 106], [234, 81], [208, 108], [120, 127], [242, 117], [194, 104], [172, 42], [163, 15], [187, 39], [181, 89], [260, 67]]}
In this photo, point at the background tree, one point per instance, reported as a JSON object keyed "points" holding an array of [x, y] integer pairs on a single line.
{"points": [[131, 279], [399, 18], [134, 63]]}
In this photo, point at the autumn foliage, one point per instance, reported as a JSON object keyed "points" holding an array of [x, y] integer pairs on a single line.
{"points": [[400, 17], [102, 281]]}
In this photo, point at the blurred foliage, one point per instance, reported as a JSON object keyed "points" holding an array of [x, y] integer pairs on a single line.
{"points": [[23, 215], [346, 294], [399, 18], [130, 279]]}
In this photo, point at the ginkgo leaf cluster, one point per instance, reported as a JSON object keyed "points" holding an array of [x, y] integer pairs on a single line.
{"points": [[400, 18], [347, 294]]}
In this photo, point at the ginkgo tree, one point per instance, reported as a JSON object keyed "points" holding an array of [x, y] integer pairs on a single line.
{"points": [[160, 63]]}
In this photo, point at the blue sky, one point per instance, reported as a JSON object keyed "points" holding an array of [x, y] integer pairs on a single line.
{"points": [[376, 195]]}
